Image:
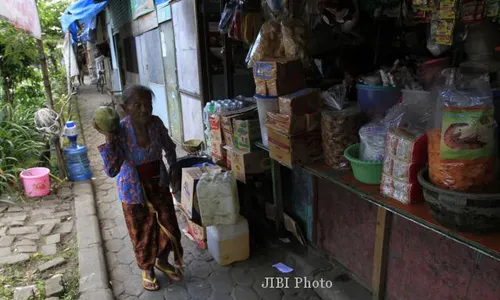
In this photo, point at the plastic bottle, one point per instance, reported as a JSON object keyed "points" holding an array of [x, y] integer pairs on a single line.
{"points": [[76, 156]]}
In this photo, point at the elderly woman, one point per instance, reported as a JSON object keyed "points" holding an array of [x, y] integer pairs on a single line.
{"points": [[134, 156]]}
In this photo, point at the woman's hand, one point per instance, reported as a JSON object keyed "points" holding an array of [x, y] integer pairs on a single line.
{"points": [[108, 135]]}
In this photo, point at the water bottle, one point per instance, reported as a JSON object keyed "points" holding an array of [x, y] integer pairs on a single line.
{"points": [[71, 132], [76, 156]]}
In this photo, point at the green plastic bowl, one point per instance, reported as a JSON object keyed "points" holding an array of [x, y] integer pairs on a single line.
{"points": [[369, 172]]}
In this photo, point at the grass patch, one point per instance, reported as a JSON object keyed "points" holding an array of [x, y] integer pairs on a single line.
{"points": [[26, 274]]}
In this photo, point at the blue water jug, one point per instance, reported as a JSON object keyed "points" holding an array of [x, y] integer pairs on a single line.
{"points": [[76, 156], [77, 163]]}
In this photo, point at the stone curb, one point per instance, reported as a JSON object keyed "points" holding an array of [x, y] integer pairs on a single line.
{"points": [[94, 282]]}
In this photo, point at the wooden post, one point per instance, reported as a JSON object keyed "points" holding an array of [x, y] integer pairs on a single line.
{"points": [[278, 196], [384, 221], [50, 104]]}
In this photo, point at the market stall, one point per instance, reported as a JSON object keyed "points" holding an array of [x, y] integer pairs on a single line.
{"points": [[378, 123]]}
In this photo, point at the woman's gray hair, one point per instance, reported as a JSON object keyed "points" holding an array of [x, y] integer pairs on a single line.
{"points": [[136, 91]]}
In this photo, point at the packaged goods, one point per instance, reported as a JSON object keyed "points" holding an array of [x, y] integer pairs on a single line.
{"points": [[189, 198], [243, 163], [246, 133], [458, 174], [303, 102], [294, 125], [218, 199], [401, 170], [294, 151], [462, 143], [268, 43], [372, 138], [218, 152], [407, 193], [408, 145], [279, 40], [339, 130], [227, 122], [294, 39], [216, 129], [373, 135], [276, 77]]}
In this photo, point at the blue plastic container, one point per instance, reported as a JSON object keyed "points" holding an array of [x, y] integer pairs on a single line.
{"points": [[77, 163], [376, 100]]}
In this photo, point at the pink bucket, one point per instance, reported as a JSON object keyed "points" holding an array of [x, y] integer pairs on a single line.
{"points": [[36, 182]]}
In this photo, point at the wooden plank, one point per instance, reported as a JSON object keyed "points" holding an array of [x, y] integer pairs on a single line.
{"points": [[278, 195], [315, 210], [382, 236]]}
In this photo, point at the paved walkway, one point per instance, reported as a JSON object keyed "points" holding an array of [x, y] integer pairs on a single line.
{"points": [[204, 278]]}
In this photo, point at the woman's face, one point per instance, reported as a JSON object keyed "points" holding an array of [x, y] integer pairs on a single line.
{"points": [[140, 109]]}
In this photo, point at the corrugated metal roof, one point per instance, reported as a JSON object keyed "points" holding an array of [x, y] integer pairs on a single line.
{"points": [[120, 13]]}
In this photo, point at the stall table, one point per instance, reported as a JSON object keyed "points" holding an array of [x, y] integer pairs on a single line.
{"points": [[487, 244]]}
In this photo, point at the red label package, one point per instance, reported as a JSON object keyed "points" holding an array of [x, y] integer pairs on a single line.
{"points": [[405, 156]]}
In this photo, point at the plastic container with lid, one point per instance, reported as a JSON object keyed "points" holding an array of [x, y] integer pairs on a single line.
{"points": [[229, 243], [265, 104], [376, 100]]}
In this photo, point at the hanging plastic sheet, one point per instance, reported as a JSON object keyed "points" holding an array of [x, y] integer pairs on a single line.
{"points": [[84, 12]]}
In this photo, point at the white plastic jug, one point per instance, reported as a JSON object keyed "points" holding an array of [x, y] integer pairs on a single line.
{"points": [[218, 199], [229, 243]]}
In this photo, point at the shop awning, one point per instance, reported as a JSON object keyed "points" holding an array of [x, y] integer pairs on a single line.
{"points": [[81, 12]]}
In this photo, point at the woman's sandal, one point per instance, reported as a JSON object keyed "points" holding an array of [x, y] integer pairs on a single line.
{"points": [[172, 274], [151, 282]]}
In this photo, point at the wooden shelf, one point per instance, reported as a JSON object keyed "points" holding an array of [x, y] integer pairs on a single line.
{"points": [[488, 244]]}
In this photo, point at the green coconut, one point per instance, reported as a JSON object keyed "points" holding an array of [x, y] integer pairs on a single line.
{"points": [[107, 119]]}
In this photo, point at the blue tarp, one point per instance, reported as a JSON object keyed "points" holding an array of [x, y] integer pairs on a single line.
{"points": [[83, 12]]}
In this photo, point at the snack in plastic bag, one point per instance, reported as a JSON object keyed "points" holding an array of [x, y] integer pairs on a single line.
{"points": [[372, 139], [339, 130], [462, 149], [268, 43], [218, 199], [335, 97], [294, 40]]}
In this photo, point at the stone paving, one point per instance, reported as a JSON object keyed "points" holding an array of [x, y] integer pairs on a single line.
{"points": [[203, 277], [38, 227]]}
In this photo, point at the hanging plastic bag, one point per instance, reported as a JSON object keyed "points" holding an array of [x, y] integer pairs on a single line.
{"points": [[335, 97], [218, 199], [268, 43], [227, 16], [462, 144], [236, 24], [294, 40]]}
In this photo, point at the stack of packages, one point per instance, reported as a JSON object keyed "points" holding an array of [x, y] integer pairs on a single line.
{"points": [[227, 233], [241, 131], [405, 156], [190, 205], [295, 132]]}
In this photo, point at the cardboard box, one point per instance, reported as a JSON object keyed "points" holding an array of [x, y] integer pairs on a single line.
{"points": [[294, 125], [246, 133], [189, 199], [306, 101], [227, 124], [216, 129], [243, 163], [218, 151], [276, 77], [296, 150], [195, 231]]}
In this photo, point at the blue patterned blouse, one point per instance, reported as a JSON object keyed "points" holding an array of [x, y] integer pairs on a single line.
{"points": [[122, 155]]}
